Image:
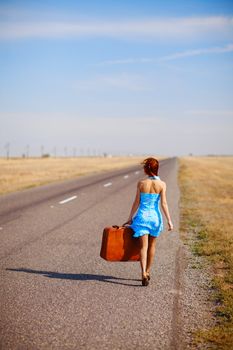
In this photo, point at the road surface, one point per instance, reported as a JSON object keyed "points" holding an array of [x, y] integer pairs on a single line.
{"points": [[57, 293]]}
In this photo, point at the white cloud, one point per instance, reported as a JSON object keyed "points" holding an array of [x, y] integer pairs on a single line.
{"points": [[185, 27], [198, 52], [174, 56]]}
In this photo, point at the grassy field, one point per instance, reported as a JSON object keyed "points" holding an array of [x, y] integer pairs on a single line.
{"points": [[206, 213], [17, 174]]}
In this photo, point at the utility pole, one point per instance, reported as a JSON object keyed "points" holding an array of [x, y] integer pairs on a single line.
{"points": [[27, 151], [7, 147]]}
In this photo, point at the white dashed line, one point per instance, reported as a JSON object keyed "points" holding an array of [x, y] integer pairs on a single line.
{"points": [[108, 184], [67, 200], [51, 206], [126, 176], [1, 228], [136, 172]]}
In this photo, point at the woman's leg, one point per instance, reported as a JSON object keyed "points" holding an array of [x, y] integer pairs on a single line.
{"points": [[150, 253], [143, 253]]}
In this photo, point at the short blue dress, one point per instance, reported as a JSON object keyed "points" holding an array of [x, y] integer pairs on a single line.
{"points": [[148, 218]]}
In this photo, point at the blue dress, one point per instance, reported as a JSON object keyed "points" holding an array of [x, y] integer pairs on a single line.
{"points": [[148, 218]]}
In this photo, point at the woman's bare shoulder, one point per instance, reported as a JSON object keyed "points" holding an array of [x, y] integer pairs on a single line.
{"points": [[163, 184], [143, 181]]}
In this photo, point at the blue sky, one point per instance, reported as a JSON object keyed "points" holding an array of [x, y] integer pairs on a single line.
{"points": [[122, 77]]}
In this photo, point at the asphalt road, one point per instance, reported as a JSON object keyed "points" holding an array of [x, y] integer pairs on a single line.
{"points": [[55, 290]]}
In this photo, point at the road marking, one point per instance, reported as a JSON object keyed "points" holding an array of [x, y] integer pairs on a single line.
{"points": [[1, 228], [136, 172], [126, 176], [51, 206], [108, 184], [67, 200], [175, 291]]}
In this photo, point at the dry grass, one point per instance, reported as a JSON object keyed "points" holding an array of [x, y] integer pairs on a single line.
{"points": [[17, 174], [206, 212]]}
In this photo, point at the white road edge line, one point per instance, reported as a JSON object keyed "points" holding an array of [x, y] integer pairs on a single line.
{"points": [[126, 176], [108, 184], [67, 200]]}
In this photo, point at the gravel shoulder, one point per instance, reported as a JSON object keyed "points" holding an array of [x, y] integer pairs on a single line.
{"points": [[195, 300]]}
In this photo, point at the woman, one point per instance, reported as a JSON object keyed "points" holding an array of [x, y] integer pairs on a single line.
{"points": [[147, 224]]}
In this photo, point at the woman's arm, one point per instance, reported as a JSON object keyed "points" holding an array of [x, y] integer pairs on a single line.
{"points": [[165, 207], [135, 205]]}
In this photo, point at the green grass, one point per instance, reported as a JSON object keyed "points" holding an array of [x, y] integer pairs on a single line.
{"points": [[206, 214]]}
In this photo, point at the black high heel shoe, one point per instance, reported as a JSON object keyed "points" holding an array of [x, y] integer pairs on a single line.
{"points": [[145, 281]]}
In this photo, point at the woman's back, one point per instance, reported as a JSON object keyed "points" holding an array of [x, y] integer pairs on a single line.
{"points": [[151, 185]]}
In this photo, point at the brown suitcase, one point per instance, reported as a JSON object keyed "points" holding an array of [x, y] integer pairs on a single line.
{"points": [[118, 244]]}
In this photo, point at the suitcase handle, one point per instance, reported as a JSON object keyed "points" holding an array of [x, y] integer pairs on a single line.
{"points": [[117, 227]]}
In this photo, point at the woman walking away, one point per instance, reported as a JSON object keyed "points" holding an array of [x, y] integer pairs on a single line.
{"points": [[147, 224]]}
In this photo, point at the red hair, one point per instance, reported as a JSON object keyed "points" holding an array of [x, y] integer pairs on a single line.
{"points": [[151, 166]]}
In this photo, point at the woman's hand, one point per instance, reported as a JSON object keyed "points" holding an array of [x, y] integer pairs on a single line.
{"points": [[170, 225], [129, 222]]}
